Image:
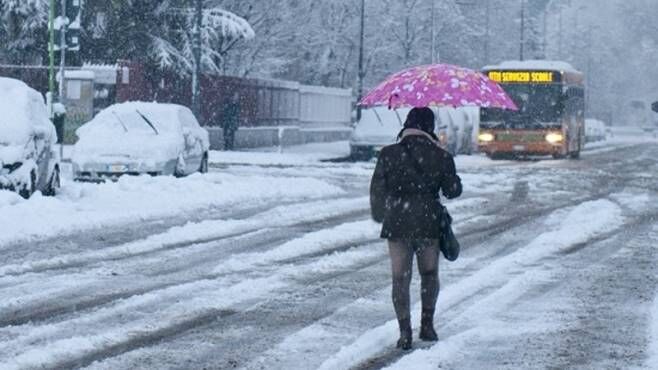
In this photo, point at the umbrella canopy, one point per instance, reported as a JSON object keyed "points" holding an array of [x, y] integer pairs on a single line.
{"points": [[438, 85]]}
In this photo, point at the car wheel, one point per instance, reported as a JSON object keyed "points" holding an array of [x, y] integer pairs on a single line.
{"points": [[29, 188], [54, 184], [204, 164]]}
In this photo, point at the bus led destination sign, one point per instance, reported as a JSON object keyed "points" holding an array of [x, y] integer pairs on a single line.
{"points": [[521, 76]]}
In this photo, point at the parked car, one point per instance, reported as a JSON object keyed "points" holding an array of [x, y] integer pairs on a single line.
{"points": [[29, 159], [595, 130], [380, 126], [138, 138], [377, 128], [456, 128]]}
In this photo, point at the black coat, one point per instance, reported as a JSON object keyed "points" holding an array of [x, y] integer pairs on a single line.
{"points": [[406, 201]]}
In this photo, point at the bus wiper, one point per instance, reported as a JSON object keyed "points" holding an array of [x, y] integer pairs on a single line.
{"points": [[148, 122]]}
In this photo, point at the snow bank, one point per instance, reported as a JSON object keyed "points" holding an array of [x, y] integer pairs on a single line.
{"points": [[565, 228], [307, 154], [132, 199]]}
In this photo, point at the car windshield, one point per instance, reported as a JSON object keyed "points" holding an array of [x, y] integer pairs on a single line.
{"points": [[539, 106]]}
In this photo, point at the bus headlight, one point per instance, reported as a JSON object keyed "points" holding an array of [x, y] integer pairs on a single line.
{"points": [[486, 137], [554, 137]]}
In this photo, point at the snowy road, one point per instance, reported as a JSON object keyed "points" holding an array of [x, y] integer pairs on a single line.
{"points": [[276, 265]]}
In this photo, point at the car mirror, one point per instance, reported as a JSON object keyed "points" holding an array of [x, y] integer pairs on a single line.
{"points": [[654, 106]]}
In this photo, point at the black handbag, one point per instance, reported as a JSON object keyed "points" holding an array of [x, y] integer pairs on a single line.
{"points": [[448, 243]]}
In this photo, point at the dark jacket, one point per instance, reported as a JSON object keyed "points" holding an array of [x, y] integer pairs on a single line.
{"points": [[406, 201]]}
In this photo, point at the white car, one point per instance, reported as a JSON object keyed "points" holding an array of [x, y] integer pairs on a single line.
{"points": [[377, 128], [380, 126], [595, 130], [138, 138], [29, 160]]}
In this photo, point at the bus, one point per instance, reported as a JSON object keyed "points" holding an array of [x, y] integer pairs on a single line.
{"points": [[551, 116]]}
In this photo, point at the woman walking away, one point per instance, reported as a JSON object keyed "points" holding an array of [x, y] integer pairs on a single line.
{"points": [[404, 195]]}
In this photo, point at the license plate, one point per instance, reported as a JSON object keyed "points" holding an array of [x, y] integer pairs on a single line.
{"points": [[519, 148], [118, 168]]}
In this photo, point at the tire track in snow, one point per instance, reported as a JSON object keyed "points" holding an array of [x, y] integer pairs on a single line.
{"points": [[205, 299], [201, 232], [81, 297]]}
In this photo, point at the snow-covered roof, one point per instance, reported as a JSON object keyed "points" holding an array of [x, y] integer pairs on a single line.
{"points": [[23, 112], [77, 75], [549, 65], [103, 73]]}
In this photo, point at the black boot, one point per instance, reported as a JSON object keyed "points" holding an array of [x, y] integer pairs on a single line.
{"points": [[405, 334], [427, 332]]}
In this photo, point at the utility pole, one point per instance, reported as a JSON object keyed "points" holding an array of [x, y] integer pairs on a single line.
{"points": [[51, 56], [62, 54], [487, 35], [544, 31], [361, 75], [433, 49], [559, 32], [196, 90], [522, 34]]}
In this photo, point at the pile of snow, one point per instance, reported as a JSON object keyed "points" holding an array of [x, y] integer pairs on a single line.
{"points": [[24, 113], [296, 155], [121, 130], [81, 206]]}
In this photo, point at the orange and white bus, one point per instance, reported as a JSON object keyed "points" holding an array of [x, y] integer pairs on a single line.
{"points": [[551, 116]]}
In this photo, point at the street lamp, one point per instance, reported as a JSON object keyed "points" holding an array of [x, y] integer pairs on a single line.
{"points": [[196, 89], [522, 33], [361, 73]]}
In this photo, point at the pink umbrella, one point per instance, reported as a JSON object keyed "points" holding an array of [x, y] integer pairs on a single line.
{"points": [[438, 85]]}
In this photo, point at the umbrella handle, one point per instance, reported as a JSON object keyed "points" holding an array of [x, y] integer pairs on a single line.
{"points": [[390, 100]]}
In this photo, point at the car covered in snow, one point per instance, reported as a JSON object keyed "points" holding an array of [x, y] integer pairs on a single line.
{"points": [[380, 126], [29, 160], [595, 130], [377, 128], [137, 138]]}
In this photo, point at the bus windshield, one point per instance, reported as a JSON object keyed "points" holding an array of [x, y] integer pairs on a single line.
{"points": [[539, 106]]}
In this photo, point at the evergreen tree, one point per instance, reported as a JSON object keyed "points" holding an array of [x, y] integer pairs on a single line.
{"points": [[24, 31]]}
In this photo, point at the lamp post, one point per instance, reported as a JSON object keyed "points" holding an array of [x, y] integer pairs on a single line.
{"points": [[522, 33], [51, 56], [361, 73], [196, 90]]}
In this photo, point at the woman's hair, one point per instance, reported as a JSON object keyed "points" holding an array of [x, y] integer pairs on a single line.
{"points": [[420, 119]]}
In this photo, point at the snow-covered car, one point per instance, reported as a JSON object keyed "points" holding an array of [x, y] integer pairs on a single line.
{"points": [[595, 130], [29, 160], [380, 126], [137, 138], [377, 128], [456, 128]]}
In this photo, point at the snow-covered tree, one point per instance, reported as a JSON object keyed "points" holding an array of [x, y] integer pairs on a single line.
{"points": [[23, 30], [160, 33]]}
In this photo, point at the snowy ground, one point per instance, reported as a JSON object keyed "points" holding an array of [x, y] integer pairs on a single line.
{"points": [[271, 262]]}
